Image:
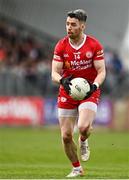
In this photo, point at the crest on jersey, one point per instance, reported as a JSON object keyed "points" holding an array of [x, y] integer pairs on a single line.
{"points": [[89, 54], [63, 99]]}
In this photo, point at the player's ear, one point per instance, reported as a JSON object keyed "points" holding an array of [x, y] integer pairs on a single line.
{"points": [[83, 26]]}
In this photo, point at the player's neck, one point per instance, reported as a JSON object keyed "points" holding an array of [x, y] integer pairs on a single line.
{"points": [[77, 41]]}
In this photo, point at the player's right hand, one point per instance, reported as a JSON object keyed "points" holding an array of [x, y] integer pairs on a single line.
{"points": [[65, 82]]}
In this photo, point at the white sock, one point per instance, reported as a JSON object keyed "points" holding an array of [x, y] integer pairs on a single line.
{"points": [[78, 168], [86, 141]]}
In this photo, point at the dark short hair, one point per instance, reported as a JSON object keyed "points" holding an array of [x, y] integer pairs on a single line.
{"points": [[79, 14]]}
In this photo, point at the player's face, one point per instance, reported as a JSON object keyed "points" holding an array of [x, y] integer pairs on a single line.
{"points": [[74, 27]]}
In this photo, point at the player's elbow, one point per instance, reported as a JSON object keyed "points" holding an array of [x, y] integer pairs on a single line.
{"points": [[52, 77], [104, 74]]}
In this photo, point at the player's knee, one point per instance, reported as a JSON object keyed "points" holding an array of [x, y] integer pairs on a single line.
{"points": [[84, 129], [67, 137]]}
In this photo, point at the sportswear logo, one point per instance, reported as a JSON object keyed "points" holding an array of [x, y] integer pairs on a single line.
{"points": [[100, 55], [56, 57], [100, 52], [66, 55]]}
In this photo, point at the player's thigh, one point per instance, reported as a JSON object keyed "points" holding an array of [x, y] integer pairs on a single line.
{"points": [[86, 118], [67, 119], [67, 125], [87, 113]]}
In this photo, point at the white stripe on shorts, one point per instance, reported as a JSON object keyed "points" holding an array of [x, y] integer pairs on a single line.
{"points": [[88, 105], [67, 112]]}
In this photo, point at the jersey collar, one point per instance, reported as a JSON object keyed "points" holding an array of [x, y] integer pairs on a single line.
{"points": [[78, 47]]}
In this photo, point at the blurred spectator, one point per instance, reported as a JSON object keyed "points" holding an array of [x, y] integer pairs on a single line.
{"points": [[115, 74], [23, 55], [117, 64]]}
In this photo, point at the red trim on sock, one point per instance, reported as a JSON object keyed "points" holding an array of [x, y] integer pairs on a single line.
{"points": [[76, 164], [82, 138]]}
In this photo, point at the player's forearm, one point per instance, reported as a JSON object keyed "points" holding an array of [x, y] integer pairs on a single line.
{"points": [[56, 77], [100, 78]]}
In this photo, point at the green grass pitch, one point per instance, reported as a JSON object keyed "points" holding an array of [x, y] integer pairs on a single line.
{"points": [[37, 153]]}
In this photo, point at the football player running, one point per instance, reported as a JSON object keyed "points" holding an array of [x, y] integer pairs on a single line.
{"points": [[77, 55]]}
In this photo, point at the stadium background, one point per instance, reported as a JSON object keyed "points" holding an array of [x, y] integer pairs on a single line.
{"points": [[29, 134]]}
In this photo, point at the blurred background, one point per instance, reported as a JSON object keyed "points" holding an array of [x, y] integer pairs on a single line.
{"points": [[29, 31]]}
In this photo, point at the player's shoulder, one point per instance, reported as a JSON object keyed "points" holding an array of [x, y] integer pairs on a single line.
{"points": [[63, 41], [92, 39]]}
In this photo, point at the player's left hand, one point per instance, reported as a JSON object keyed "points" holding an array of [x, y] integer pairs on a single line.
{"points": [[93, 88]]}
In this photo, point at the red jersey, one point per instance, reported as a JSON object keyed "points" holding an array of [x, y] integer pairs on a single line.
{"points": [[78, 61]]}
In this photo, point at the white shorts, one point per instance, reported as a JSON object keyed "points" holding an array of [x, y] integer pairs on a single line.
{"points": [[74, 112]]}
